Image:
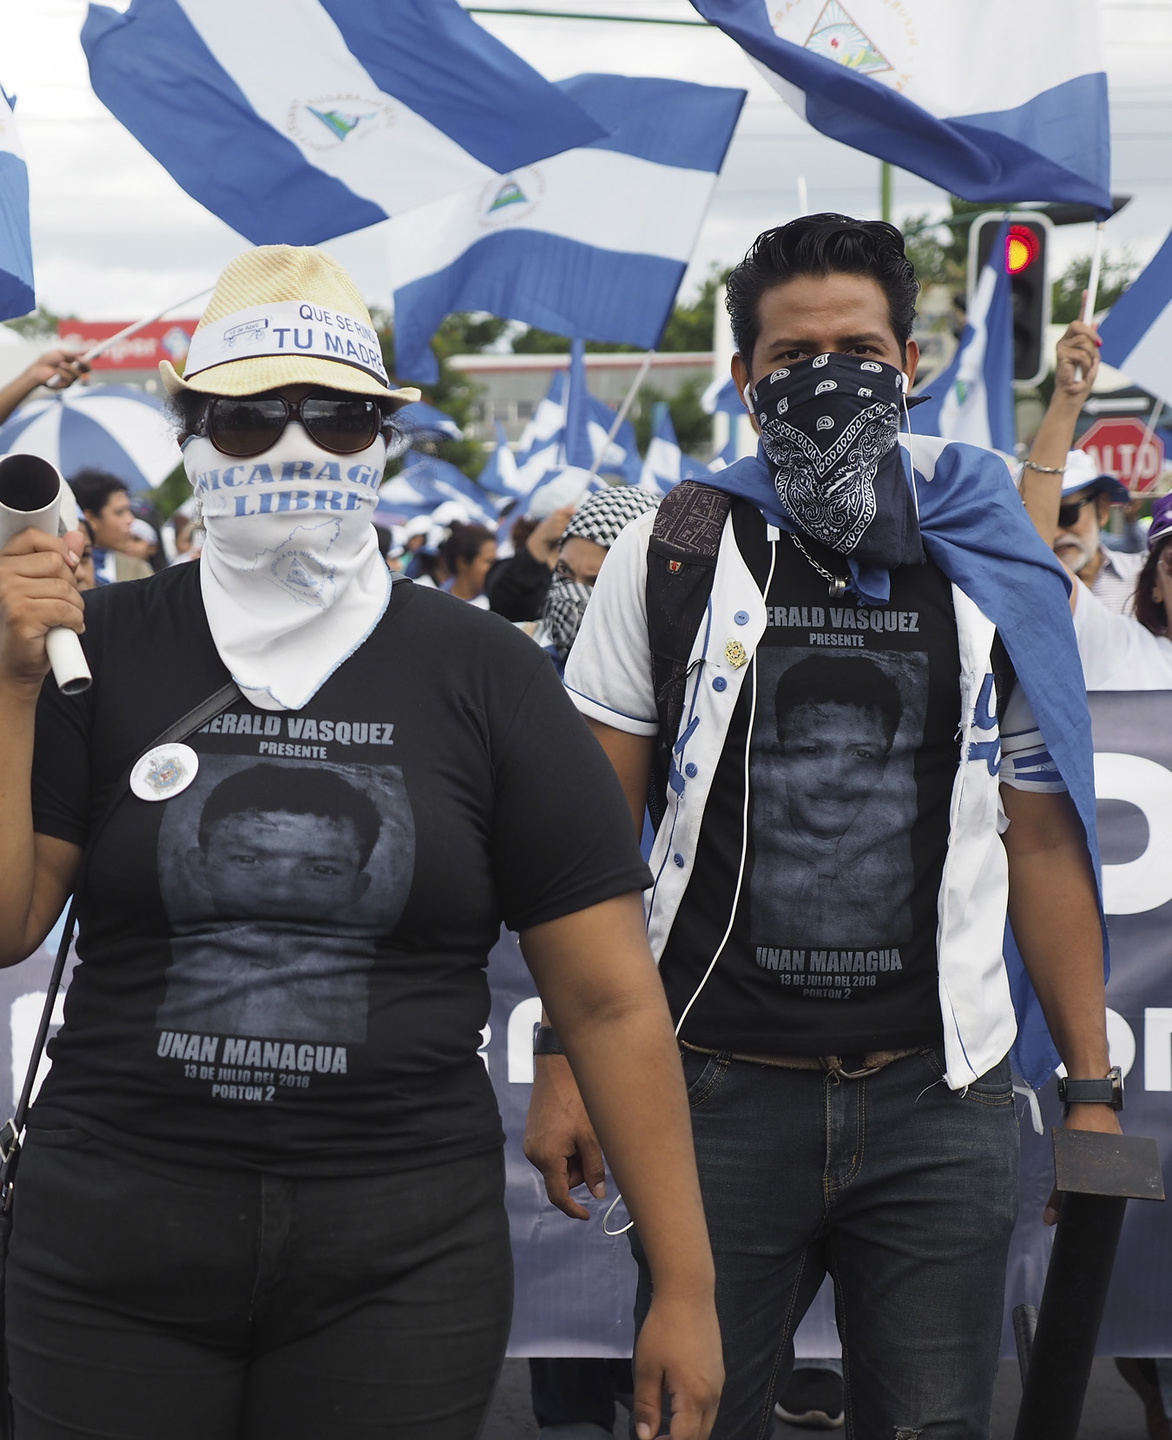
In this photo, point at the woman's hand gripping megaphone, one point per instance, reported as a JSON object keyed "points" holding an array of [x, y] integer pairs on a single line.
{"points": [[41, 611]]}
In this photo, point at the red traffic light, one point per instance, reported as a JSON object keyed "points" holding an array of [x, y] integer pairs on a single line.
{"points": [[1022, 248]]}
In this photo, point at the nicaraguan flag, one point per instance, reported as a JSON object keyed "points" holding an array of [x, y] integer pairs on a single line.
{"points": [[427, 422], [542, 446], [665, 464], [298, 121], [593, 242], [425, 482], [576, 442], [722, 397], [1137, 333], [728, 455], [16, 251], [972, 400], [499, 476], [995, 101]]}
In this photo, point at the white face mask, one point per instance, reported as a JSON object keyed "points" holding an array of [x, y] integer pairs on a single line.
{"points": [[291, 573]]}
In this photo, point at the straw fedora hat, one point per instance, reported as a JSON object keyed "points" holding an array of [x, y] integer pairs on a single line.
{"points": [[284, 315]]}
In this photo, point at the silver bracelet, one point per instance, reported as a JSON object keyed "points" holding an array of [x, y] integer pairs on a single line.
{"points": [[1043, 469]]}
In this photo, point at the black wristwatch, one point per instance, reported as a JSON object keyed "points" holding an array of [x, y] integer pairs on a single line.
{"points": [[546, 1042], [1108, 1091]]}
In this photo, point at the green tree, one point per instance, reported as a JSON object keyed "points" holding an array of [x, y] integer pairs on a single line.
{"points": [[931, 249], [1118, 270], [455, 393], [692, 426], [41, 324], [533, 341]]}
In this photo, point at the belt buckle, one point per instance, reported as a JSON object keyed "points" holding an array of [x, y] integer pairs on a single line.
{"points": [[834, 1066]]}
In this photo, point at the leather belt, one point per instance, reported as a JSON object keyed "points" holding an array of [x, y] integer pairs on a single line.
{"points": [[842, 1067]]}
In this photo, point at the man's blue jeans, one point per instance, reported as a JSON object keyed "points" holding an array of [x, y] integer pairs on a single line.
{"points": [[903, 1190]]}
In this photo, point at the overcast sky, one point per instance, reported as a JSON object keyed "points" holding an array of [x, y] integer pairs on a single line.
{"points": [[114, 237]]}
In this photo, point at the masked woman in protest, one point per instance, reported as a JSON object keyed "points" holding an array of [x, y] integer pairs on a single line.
{"points": [[261, 1191]]}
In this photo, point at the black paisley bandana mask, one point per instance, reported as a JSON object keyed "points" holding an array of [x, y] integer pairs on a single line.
{"points": [[830, 430]]}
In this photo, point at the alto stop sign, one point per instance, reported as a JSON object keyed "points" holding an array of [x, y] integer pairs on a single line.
{"points": [[1118, 448]]}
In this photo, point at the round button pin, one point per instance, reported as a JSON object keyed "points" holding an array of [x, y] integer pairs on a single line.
{"points": [[720, 683], [741, 617], [164, 771]]}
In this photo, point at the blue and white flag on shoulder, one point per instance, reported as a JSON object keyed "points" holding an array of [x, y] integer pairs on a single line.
{"points": [[1137, 333], [996, 101], [972, 400], [298, 121], [16, 251], [593, 242]]}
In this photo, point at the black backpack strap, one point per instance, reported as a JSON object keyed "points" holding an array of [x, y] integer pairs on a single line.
{"points": [[681, 566]]}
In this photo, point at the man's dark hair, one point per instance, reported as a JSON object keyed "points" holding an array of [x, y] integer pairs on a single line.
{"points": [[92, 489], [822, 245], [838, 680], [1151, 613], [263, 789]]}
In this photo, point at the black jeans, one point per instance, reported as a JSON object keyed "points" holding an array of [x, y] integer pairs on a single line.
{"points": [[149, 1299]]}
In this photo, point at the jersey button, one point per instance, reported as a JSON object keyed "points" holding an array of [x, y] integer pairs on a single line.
{"points": [[679, 859], [741, 617], [690, 770], [720, 683]]}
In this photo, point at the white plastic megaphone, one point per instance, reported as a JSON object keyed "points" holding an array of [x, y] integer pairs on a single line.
{"points": [[33, 496]]}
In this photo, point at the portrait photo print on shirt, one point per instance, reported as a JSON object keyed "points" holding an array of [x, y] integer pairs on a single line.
{"points": [[832, 775], [277, 876]]}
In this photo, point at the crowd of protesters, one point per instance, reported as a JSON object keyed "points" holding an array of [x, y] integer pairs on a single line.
{"points": [[849, 775]]}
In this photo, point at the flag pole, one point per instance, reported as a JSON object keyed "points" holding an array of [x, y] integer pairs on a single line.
{"points": [[1092, 291], [624, 409], [1157, 406], [133, 329]]}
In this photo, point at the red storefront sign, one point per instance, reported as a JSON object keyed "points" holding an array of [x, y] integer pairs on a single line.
{"points": [[160, 340]]}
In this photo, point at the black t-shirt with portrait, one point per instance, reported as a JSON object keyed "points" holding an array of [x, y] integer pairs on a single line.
{"points": [[282, 966], [853, 752]]}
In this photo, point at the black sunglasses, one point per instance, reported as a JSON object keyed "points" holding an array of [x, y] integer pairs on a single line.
{"points": [[343, 424], [1068, 514]]}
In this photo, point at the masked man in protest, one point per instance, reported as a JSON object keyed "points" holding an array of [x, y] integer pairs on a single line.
{"points": [[848, 1062]]}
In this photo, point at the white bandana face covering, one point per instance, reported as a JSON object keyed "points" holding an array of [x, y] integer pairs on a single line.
{"points": [[291, 574]]}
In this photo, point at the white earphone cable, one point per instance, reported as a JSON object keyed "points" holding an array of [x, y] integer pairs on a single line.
{"points": [[736, 900]]}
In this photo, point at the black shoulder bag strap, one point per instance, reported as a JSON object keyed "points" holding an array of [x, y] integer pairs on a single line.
{"points": [[11, 1132], [681, 567]]}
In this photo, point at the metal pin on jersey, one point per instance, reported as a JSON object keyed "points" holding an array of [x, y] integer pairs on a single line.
{"points": [[165, 771]]}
